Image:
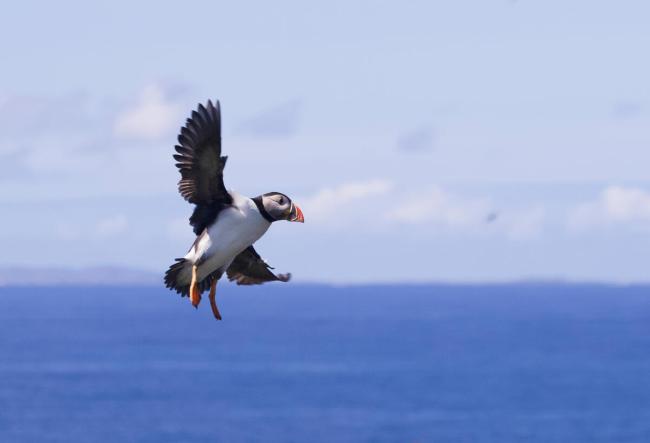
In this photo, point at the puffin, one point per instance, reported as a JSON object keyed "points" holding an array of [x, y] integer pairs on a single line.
{"points": [[226, 223]]}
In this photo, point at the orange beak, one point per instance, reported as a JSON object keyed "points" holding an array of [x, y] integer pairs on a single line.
{"points": [[296, 214]]}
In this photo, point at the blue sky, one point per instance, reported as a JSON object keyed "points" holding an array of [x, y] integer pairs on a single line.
{"points": [[453, 141]]}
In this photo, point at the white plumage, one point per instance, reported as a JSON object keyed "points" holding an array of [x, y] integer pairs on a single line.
{"points": [[236, 228]]}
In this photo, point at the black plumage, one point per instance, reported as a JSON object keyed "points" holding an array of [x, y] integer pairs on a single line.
{"points": [[171, 278], [248, 268], [201, 166]]}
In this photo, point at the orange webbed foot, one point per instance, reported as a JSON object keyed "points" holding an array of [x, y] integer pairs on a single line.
{"points": [[195, 294]]}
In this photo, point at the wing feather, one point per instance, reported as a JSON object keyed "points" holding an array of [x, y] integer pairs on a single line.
{"points": [[248, 268], [198, 159]]}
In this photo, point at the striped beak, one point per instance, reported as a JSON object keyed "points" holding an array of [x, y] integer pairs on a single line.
{"points": [[295, 215]]}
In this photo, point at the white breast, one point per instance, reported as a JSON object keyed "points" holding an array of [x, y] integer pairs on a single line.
{"points": [[236, 228]]}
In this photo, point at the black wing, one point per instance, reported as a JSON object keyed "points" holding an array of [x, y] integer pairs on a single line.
{"points": [[248, 268], [201, 165]]}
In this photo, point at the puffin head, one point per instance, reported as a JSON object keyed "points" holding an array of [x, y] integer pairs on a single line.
{"points": [[276, 206]]}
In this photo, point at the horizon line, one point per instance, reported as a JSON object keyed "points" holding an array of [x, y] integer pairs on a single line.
{"points": [[115, 275]]}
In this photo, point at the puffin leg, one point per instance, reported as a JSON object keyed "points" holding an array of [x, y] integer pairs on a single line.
{"points": [[195, 294], [213, 302]]}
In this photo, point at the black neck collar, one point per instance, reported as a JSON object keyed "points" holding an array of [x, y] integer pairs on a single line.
{"points": [[260, 207]]}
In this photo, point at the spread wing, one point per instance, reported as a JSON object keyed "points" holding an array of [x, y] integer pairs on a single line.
{"points": [[201, 165], [248, 268]]}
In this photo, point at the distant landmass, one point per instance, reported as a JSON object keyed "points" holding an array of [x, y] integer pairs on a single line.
{"points": [[102, 275], [123, 276]]}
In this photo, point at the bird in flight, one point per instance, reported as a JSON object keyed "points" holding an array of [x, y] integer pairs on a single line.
{"points": [[226, 223]]}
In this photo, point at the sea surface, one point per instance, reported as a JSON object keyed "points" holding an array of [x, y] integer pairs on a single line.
{"points": [[298, 363]]}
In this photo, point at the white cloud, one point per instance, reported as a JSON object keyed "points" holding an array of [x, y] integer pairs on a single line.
{"points": [[111, 226], [333, 199], [440, 207], [616, 204], [627, 204], [152, 117], [445, 209]]}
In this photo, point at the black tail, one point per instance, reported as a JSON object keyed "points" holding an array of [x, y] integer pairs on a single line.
{"points": [[171, 278]]}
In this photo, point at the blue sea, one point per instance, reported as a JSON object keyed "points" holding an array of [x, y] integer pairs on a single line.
{"points": [[305, 363]]}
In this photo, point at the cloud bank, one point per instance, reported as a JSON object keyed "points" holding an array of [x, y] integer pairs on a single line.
{"points": [[338, 199], [153, 116], [615, 205], [437, 206]]}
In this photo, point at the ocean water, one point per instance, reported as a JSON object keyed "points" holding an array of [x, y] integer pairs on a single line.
{"points": [[292, 363]]}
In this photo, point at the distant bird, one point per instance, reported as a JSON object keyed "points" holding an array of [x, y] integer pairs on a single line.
{"points": [[226, 223], [492, 216]]}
